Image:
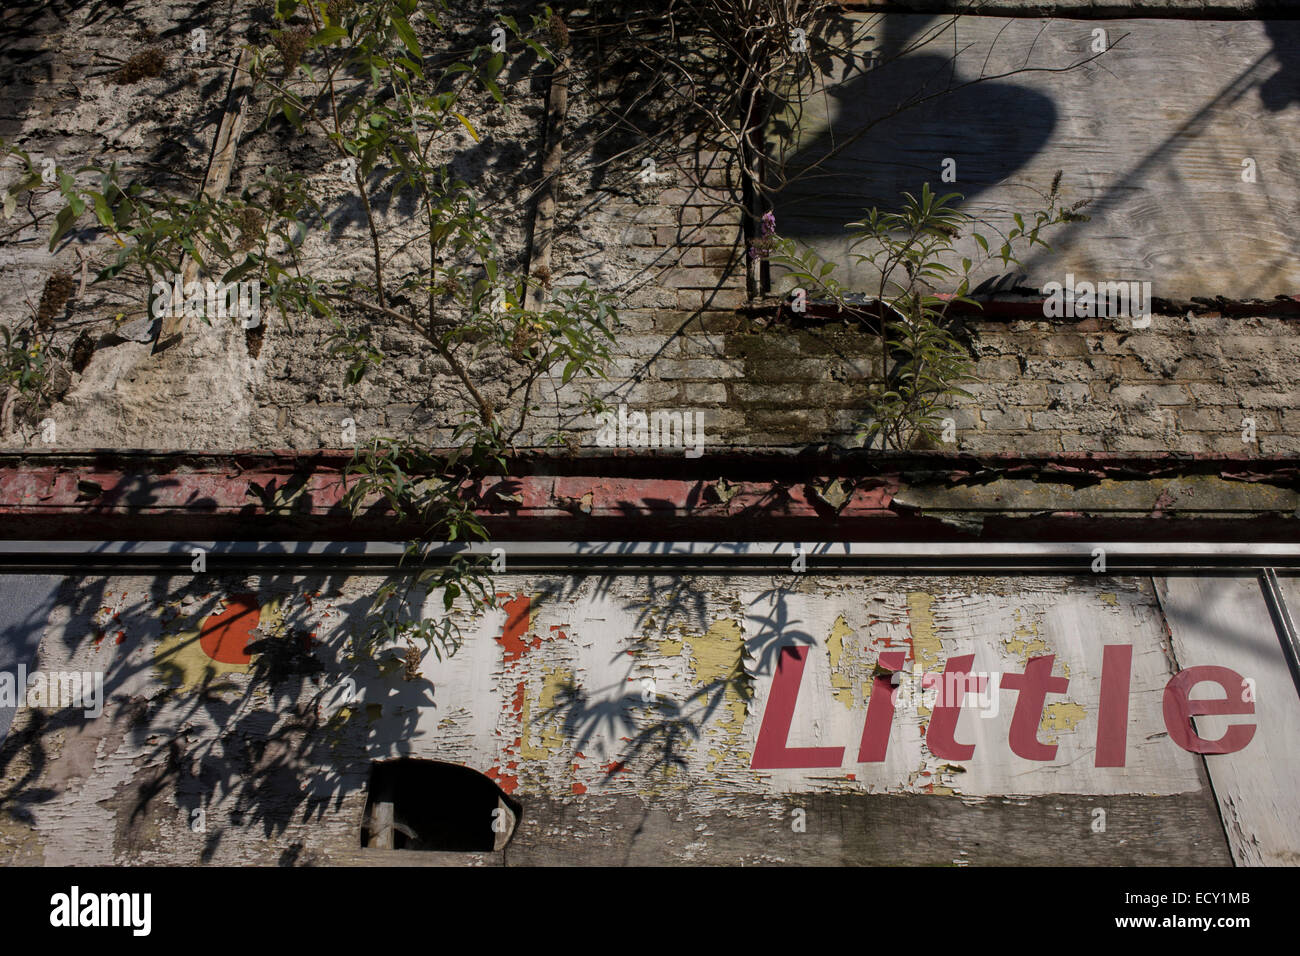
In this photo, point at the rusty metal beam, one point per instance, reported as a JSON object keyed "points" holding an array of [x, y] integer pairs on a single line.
{"points": [[727, 496]]}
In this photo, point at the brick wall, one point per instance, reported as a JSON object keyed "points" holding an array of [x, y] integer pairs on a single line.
{"points": [[669, 247]]}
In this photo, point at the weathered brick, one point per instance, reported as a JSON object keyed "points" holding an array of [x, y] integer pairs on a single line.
{"points": [[723, 298], [1010, 419], [1001, 368], [836, 394], [691, 299], [747, 393], [787, 370], [699, 369], [1267, 398], [703, 393], [1149, 395]]}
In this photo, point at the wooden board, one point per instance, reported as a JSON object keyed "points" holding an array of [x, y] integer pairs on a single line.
{"points": [[1224, 621], [625, 717], [1154, 132]]}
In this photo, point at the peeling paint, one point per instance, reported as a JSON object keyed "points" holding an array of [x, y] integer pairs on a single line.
{"points": [[926, 646], [841, 681]]}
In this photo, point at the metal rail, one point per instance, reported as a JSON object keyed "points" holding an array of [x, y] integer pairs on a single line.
{"points": [[1282, 622], [635, 557]]}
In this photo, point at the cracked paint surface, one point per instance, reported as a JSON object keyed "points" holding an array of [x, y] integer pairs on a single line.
{"points": [[574, 689]]}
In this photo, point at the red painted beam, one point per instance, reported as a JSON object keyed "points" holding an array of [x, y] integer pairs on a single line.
{"points": [[733, 496]]}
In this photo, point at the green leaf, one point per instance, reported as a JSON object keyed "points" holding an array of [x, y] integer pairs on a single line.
{"points": [[102, 212], [326, 36], [488, 74], [248, 265], [65, 220], [408, 37], [493, 65]]}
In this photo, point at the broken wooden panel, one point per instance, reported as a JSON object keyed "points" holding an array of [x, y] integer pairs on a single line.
{"points": [[1224, 622], [1156, 132]]}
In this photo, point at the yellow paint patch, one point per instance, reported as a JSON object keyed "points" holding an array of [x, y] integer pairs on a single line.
{"points": [[1024, 642], [551, 740], [926, 647], [717, 662], [1108, 597], [271, 620], [1062, 716], [670, 648], [841, 681], [715, 655]]}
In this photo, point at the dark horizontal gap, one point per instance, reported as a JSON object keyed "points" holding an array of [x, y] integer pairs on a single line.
{"points": [[636, 565]]}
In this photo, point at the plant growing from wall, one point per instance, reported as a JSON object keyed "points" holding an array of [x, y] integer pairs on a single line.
{"points": [[923, 360], [352, 77]]}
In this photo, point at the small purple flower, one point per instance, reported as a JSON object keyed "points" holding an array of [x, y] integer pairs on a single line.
{"points": [[769, 224]]}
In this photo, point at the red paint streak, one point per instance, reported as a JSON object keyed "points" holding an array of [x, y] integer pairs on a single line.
{"points": [[614, 767], [579, 789], [517, 701], [1112, 710], [224, 637], [121, 636], [850, 776], [516, 626], [880, 710]]}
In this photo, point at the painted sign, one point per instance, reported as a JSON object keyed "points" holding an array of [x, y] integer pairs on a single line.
{"points": [[710, 690]]}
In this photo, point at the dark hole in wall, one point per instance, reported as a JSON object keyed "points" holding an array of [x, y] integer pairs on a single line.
{"points": [[437, 806], [253, 339]]}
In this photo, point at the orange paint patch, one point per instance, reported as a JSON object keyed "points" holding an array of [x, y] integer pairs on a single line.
{"points": [[225, 637], [516, 626], [579, 789], [508, 782]]}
